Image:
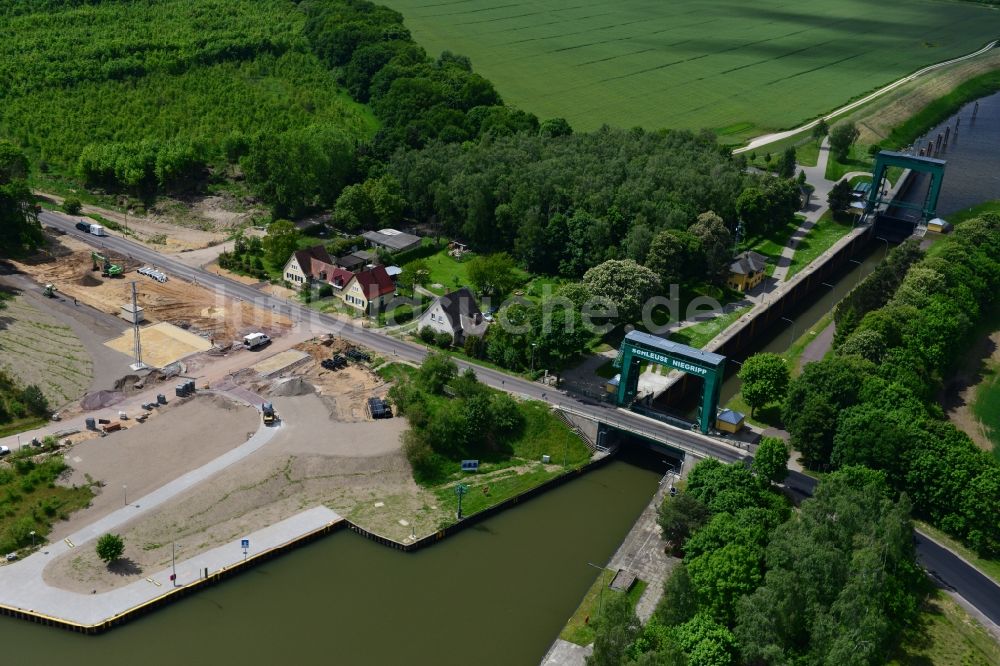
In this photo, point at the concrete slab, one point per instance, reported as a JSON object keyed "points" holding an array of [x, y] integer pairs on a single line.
{"points": [[162, 344], [564, 653], [280, 362]]}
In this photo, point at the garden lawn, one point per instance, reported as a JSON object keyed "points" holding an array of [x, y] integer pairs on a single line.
{"points": [[739, 68], [453, 274]]}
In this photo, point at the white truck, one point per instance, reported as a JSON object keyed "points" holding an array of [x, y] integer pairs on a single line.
{"points": [[97, 230], [255, 340]]}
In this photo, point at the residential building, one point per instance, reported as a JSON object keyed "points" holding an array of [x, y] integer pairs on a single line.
{"points": [[370, 290], [334, 276], [392, 240], [747, 270], [299, 267], [457, 314]]}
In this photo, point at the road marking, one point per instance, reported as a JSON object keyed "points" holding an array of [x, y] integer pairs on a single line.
{"points": [[69, 543]]}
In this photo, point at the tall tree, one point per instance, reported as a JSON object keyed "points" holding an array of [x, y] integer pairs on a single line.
{"points": [[493, 274], [842, 137], [764, 379], [617, 626], [19, 228], [840, 197], [281, 241], [716, 243], [786, 167], [624, 283], [770, 461], [675, 256]]}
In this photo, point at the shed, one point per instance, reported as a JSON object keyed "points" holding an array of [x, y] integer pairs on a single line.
{"points": [[132, 313], [938, 225], [392, 240], [730, 420]]}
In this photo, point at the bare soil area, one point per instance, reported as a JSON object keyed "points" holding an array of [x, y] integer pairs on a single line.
{"points": [[67, 264], [958, 396], [179, 225], [345, 391], [148, 455], [358, 469]]}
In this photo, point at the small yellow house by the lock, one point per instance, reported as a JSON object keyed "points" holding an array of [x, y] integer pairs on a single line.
{"points": [[747, 270]]}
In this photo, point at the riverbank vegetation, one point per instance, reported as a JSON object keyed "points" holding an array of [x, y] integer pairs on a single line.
{"points": [[760, 583], [872, 402]]}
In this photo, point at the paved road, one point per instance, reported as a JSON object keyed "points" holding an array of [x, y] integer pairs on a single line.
{"points": [[953, 571]]}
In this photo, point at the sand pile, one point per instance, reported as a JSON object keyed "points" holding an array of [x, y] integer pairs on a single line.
{"points": [[88, 280], [101, 399], [291, 386]]}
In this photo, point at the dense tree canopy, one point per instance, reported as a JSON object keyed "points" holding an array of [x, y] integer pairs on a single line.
{"points": [[19, 228]]}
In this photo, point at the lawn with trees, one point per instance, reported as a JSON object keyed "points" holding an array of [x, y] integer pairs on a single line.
{"points": [[454, 417]]}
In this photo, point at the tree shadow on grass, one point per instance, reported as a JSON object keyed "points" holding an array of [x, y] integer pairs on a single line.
{"points": [[125, 566]]}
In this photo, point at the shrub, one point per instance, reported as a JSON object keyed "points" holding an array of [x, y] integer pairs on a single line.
{"points": [[443, 340], [110, 547], [72, 205], [427, 335]]}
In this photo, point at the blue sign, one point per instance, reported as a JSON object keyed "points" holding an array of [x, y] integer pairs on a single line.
{"points": [[245, 544], [470, 465]]}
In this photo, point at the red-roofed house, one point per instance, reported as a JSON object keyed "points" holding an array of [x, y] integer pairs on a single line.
{"points": [[369, 290], [335, 276], [299, 267]]}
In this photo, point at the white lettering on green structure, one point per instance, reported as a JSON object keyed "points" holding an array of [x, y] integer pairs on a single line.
{"points": [[671, 362]]}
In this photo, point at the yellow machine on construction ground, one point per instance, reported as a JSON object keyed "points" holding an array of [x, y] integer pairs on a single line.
{"points": [[49, 290], [270, 416]]}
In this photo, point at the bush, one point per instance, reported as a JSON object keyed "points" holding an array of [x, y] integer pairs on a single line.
{"points": [[443, 340], [110, 547], [35, 400], [72, 205], [427, 335]]}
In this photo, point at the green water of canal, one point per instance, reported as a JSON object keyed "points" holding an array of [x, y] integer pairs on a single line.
{"points": [[497, 593]]}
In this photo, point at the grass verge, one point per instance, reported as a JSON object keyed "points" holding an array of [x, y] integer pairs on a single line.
{"points": [[702, 333], [976, 211], [22, 425], [820, 238], [579, 628], [913, 127], [946, 635]]}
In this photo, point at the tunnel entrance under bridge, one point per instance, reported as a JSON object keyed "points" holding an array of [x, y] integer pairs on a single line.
{"points": [[638, 347]]}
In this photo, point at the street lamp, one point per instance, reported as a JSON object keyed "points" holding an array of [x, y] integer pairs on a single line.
{"points": [[855, 261], [600, 603], [460, 491], [173, 563], [32, 533], [533, 345], [793, 329]]}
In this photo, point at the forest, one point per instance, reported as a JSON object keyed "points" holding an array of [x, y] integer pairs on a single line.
{"points": [[834, 582], [874, 402], [153, 94]]}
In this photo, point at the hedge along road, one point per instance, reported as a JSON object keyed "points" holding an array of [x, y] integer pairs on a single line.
{"points": [[953, 571]]}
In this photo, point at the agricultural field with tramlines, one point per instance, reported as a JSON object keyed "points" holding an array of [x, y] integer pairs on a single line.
{"points": [[740, 68]]}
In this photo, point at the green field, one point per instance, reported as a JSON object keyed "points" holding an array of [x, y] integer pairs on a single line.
{"points": [[740, 68]]}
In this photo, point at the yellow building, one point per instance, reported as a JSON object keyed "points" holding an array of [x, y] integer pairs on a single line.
{"points": [[730, 421], [747, 271]]}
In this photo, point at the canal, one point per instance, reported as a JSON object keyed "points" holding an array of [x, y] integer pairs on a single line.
{"points": [[497, 593], [973, 155], [823, 300]]}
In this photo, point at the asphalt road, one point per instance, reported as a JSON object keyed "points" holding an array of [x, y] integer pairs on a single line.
{"points": [[945, 567]]}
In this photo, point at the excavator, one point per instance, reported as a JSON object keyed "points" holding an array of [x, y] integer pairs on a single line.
{"points": [[103, 263]]}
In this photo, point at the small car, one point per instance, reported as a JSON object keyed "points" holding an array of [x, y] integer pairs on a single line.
{"points": [[4, 451], [11, 557]]}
